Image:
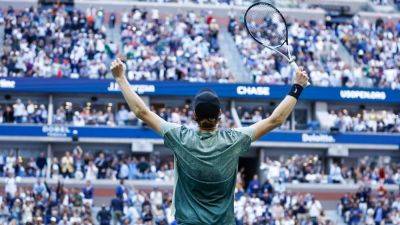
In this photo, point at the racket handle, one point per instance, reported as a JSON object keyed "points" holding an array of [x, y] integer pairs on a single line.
{"points": [[294, 65]]}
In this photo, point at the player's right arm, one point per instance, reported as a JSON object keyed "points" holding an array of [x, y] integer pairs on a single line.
{"points": [[136, 104], [283, 110]]}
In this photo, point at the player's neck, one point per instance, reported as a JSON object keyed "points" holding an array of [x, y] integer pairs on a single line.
{"points": [[207, 129]]}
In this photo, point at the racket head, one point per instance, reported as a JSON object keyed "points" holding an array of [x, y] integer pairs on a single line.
{"points": [[266, 25]]}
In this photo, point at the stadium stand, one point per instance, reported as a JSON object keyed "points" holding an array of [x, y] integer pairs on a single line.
{"points": [[84, 165], [63, 121], [184, 47], [375, 46], [54, 43], [310, 169], [313, 46], [341, 120], [21, 113], [60, 205], [366, 207]]}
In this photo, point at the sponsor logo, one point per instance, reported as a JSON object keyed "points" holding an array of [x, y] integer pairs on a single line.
{"points": [[374, 95], [317, 138], [138, 88], [7, 83], [56, 130], [252, 90]]}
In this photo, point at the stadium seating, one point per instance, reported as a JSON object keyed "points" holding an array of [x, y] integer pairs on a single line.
{"points": [[153, 53], [366, 207], [310, 169], [62, 118]]}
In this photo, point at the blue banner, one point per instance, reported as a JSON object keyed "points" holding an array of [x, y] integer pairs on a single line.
{"points": [[131, 132], [174, 88]]}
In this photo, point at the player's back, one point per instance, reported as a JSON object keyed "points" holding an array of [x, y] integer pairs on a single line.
{"points": [[205, 172]]}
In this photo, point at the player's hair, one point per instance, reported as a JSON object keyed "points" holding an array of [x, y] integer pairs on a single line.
{"points": [[207, 123]]}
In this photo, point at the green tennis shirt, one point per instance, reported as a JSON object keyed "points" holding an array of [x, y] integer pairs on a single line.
{"points": [[205, 172]]}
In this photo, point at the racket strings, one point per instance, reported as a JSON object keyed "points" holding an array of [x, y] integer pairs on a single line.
{"points": [[266, 25]]}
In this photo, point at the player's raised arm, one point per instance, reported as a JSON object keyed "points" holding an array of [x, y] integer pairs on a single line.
{"points": [[283, 110], [136, 104]]}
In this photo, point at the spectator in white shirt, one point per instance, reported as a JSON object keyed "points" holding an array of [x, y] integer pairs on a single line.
{"points": [[19, 111], [122, 115]]}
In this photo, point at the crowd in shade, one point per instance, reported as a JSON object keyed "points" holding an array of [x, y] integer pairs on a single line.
{"points": [[252, 114], [344, 120], [309, 169], [185, 115], [270, 204], [362, 121], [122, 116], [375, 46], [368, 207], [23, 112], [91, 114], [177, 47], [78, 164]]}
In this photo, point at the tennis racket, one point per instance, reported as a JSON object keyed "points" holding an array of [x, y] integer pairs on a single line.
{"points": [[267, 26]]}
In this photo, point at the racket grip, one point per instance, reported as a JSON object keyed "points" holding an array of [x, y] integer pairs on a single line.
{"points": [[294, 65]]}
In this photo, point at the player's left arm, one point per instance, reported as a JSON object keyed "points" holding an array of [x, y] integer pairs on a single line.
{"points": [[136, 104], [283, 110]]}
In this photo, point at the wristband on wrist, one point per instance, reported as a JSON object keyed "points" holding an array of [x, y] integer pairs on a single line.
{"points": [[295, 91]]}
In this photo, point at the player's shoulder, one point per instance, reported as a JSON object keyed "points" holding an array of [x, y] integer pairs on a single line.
{"points": [[247, 131], [168, 127]]}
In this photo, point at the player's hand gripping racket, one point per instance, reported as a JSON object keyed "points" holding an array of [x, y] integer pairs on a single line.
{"points": [[267, 26]]}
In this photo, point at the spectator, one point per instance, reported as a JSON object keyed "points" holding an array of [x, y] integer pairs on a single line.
{"points": [[19, 111], [88, 192], [120, 189], [67, 165], [91, 171], [104, 216], [117, 209], [254, 186], [41, 164]]}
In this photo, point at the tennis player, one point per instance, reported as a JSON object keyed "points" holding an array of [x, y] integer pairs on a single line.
{"points": [[206, 159]]}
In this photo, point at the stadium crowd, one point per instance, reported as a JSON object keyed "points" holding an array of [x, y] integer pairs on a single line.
{"points": [[362, 121], [87, 114], [47, 204], [56, 42], [78, 164], [375, 47], [369, 208], [69, 113], [309, 169], [20, 112], [343, 120], [269, 203], [59, 205], [178, 47], [313, 44]]}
